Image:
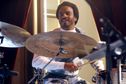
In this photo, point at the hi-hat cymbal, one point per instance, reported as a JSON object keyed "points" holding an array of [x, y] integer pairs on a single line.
{"points": [[12, 36], [50, 43]]}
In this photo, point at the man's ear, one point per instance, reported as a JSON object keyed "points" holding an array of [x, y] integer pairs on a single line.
{"points": [[75, 19]]}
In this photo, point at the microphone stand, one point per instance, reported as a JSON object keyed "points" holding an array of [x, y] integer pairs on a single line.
{"points": [[108, 30], [39, 75]]}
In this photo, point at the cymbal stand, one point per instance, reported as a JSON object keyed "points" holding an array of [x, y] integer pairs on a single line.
{"points": [[39, 75]]}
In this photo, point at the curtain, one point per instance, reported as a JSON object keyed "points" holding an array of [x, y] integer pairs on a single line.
{"points": [[16, 12], [23, 57]]}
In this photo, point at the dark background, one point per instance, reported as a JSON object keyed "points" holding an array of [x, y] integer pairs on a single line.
{"points": [[15, 12]]}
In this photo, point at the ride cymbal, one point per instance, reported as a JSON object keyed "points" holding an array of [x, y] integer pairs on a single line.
{"points": [[68, 44], [12, 36]]}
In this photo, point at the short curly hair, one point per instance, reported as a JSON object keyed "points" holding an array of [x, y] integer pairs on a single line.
{"points": [[73, 6]]}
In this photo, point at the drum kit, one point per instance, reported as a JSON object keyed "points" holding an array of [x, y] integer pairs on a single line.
{"points": [[51, 44]]}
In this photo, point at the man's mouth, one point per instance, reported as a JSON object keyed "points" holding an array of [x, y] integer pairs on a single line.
{"points": [[64, 21]]}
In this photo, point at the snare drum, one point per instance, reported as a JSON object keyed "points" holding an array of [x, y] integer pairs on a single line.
{"points": [[55, 81]]}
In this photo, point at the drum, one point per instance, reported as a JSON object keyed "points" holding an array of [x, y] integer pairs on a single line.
{"points": [[55, 81]]}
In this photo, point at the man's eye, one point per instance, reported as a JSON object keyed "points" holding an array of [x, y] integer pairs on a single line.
{"points": [[61, 14], [67, 13]]}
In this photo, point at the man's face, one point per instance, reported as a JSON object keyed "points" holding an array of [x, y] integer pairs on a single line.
{"points": [[66, 18]]}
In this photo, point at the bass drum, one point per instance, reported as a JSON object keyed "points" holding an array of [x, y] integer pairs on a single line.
{"points": [[55, 81]]}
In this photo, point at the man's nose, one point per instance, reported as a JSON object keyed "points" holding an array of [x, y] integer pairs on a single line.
{"points": [[64, 15]]}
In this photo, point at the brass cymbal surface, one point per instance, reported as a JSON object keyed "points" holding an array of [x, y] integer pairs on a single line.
{"points": [[68, 44], [12, 36]]}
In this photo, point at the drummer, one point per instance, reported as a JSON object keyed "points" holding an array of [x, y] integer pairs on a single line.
{"points": [[67, 15]]}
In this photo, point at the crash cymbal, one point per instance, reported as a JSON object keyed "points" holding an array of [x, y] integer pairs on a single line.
{"points": [[12, 36], [50, 43]]}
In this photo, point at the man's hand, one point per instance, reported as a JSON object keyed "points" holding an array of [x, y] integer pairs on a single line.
{"points": [[71, 67], [77, 61], [98, 65]]}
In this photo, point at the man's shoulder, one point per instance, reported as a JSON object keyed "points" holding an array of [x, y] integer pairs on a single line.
{"points": [[56, 29]]}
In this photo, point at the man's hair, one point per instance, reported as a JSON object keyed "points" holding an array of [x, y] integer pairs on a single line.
{"points": [[73, 6]]}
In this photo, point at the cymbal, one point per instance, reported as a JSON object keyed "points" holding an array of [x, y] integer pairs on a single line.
{"points": [[12, 36], [69, 44]]}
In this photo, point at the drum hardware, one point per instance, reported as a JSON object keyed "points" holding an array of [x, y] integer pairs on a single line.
{"points": [[38, 75]]}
